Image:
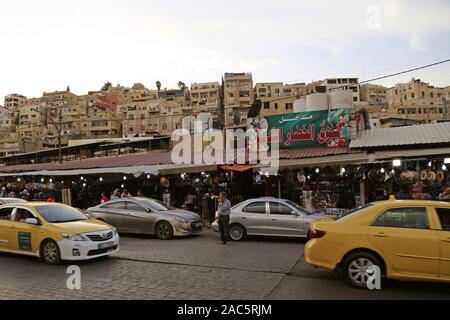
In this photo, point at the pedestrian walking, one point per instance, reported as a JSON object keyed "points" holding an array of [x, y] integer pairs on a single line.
{"points": [[223, 214]]}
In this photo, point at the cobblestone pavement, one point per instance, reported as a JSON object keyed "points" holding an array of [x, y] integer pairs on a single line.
{"points": [[195, 268]]}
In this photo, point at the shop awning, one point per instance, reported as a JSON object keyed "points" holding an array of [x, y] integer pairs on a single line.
{"points": [[411, 153], [190, 168], [238, 167], [344, 159], [134, 170]]}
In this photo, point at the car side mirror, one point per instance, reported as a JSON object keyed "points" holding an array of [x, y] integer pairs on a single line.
{"points": [[32, 221]]}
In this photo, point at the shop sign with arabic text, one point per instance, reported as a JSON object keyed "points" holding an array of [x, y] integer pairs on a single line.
{"points": [[329, 128]]}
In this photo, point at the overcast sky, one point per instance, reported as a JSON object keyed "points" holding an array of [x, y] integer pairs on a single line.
{"points": [[49, 44]]}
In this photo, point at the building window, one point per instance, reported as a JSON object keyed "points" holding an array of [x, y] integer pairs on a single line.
{"points": [[266, 105], [355, 99], [431, 95], [276, 106], [289, 106], [423, 94], [412, 95]]}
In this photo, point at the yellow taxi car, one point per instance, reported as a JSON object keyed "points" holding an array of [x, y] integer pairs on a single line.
{"points": [[405, 239], [54, 232]]}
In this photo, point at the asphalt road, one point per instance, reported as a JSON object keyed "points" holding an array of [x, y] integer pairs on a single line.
{"points": [[197, 267]]}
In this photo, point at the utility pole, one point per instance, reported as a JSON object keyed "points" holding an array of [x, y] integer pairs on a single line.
{"points": [[444, 103], [59, 128]]}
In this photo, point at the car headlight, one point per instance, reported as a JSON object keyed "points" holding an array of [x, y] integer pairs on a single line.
{"points": [[74, 237], [115, 233], [182, 220]]}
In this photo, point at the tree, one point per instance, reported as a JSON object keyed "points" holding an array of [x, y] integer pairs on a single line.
{"points": [[158, 85], [106, 86], [182, 85]]}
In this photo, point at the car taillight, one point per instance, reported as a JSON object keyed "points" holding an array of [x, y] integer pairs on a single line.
{"points": [[316, 234]]}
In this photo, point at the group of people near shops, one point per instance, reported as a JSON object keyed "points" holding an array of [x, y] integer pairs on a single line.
{"points": [[28, 195]]}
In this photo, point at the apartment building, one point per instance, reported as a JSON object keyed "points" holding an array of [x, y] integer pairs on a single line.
{"points": [[205, 97], [418, 100], [14, 101], [277, 97], [238, 96], [343, 84], [7, 122], [374, 99], [140, 118], [174, 106], [98, 116], [31, 128]]}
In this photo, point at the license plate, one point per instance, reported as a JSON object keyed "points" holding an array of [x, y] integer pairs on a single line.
{"points": [[105, 245]]}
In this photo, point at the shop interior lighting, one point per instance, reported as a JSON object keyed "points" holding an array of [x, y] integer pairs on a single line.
{"points": [[397, 163]]}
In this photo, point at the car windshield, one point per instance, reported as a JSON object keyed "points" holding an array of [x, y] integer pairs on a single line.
{"points": [[299, 208], [12, 200], [60, 214], [354, 212], [156, 205]]}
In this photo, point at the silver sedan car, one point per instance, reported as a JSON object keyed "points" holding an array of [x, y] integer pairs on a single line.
{"points": [[269, 217], [147, 216]]}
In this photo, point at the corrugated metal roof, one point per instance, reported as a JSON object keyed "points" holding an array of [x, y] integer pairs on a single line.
{"points": [[433, 133]]}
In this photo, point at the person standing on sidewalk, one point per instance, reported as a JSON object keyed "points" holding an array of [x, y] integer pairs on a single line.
{"points": [[223, 214]]}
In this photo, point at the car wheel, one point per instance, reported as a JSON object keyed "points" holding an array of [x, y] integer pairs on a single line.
{"points": [[50, 252], [357, 268], [164, 231], [237, 232]]}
